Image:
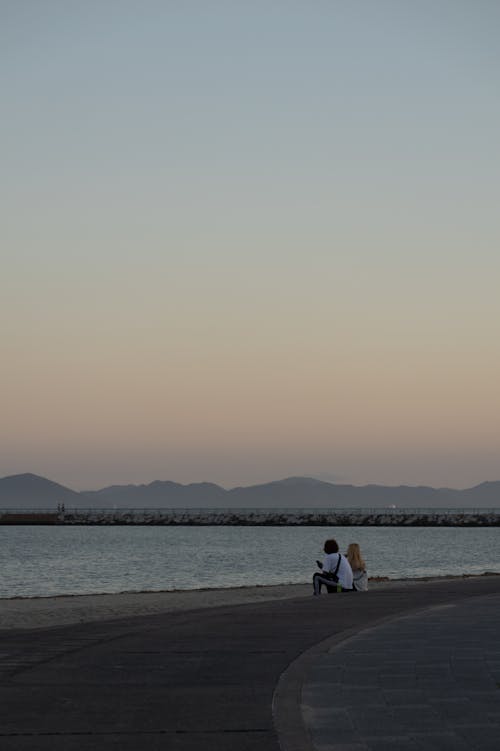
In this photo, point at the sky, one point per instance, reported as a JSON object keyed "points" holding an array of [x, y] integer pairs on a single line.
{"points": [[243, 241]]}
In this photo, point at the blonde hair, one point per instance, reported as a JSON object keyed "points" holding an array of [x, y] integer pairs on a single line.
{"points": [[354, 557]]}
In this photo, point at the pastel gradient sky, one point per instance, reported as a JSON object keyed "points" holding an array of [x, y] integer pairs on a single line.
{"points": [[247, 240]]}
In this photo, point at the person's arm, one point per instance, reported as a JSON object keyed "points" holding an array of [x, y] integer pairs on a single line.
{"points": [[327, 568]]}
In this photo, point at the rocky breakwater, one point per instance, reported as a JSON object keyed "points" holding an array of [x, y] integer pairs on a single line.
{"points": [[191, 517]]}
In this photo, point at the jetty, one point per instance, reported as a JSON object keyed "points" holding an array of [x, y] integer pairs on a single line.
{"points": [[258, 517]]}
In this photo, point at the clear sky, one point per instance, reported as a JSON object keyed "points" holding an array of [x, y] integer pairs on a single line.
{"points": [[247, 240]]}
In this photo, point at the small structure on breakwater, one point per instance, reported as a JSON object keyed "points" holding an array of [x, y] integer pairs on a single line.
{"points": [[28, 518]]}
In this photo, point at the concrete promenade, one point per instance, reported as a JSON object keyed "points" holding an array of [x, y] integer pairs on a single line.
{"points": [[427, 681], [403, 668]]}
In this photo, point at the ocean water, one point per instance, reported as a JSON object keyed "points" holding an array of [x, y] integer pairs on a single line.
{"points": [[53, 560]]}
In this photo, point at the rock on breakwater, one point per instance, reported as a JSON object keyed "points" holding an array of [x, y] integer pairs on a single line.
{"points": [[275, 518]]}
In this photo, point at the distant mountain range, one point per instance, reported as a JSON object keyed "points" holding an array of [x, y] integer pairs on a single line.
{"points": [[32, 491]]}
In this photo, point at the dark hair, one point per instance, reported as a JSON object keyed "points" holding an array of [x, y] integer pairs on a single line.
{"points": [[331, 546]]}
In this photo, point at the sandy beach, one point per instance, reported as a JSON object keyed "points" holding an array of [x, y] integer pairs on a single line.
{"points": [[44, 612]]}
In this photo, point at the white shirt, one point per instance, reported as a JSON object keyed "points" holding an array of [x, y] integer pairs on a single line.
{"points": [[360, 578], [344, 573]]}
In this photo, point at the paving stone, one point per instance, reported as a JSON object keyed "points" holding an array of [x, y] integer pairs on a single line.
{"points": [[356, 695], [436, 691], [321, 694], [330, 718], [397, 664], [392, 743], [401, 696], [403, 680], [438, 666], [430, 681], [376, 722], [433, 655], [364, 660], [474, 685], [361, 677], [491, 698], [330, 735], [440, 742], [483, 737], [453, 708], [419, 717], [327, 673], [494, 671], [342, 747]]}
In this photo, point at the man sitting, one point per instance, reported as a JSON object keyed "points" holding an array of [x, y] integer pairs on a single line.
{"points": [[336, 573]]}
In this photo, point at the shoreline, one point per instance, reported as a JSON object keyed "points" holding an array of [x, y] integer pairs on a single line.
{"points": [[62, 610], [373, 580]]}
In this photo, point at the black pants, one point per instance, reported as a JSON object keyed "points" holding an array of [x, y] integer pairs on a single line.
{"points": [[319, 579]]}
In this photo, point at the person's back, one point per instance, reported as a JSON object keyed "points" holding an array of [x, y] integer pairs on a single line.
{"points": [[344, 573], [358, 566]]}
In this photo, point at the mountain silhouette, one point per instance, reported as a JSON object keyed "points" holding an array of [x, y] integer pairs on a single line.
{"points": [[31, 491]]}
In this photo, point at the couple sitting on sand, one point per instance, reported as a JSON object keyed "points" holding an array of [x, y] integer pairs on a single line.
{"points": [[341, 573]]}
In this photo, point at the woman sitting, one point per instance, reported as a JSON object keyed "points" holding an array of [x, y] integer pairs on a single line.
{"points": [[360, 577], [336, 573]]}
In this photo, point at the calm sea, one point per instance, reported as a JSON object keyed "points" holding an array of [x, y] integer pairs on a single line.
{"points": [[42, 561]]}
